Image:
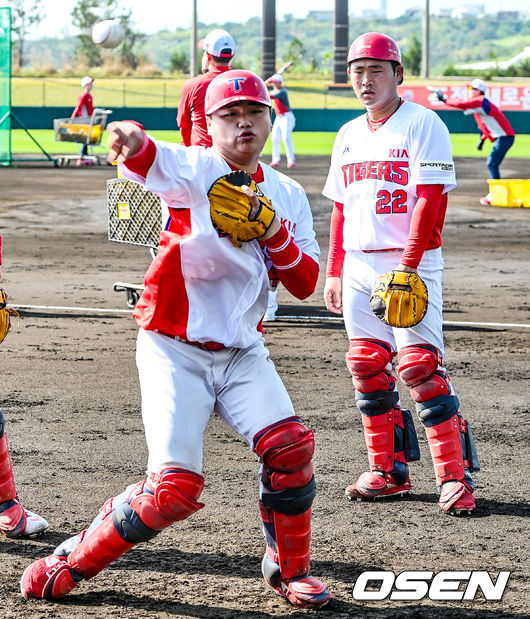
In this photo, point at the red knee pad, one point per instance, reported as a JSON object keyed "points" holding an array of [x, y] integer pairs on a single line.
{"points": [[367, 361], [417, 368], [286, 450], [174, 497]]}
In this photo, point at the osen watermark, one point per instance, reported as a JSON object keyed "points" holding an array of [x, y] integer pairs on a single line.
{"points": [[417, 585]]}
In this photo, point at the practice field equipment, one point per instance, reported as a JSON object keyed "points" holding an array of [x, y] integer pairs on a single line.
{"points": [[84, 130], [134, 217]]}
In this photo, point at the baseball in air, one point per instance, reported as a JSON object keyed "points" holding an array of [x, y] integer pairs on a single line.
{"points": [[108, 33]]}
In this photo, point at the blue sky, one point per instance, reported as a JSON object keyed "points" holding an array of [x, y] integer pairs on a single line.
{"points": [[153, 15]]}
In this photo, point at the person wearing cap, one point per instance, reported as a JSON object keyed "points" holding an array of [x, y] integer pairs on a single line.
{"points": [[492, 123], [200, 349], [284, 122], [391, 170], [218, 50], [84, 109]]}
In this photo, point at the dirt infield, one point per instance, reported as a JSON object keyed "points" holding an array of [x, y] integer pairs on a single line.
{"points": [[70, 394]]}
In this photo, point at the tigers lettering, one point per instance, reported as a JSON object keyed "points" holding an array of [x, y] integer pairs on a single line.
{"points": [[393, 171]]}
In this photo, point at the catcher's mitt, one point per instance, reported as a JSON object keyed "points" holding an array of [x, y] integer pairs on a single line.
{"points": [[5, 315], [230, 208], [436, 95], [399, 298]]}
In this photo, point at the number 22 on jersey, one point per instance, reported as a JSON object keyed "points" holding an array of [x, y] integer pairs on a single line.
{"points": [[395, 202]]}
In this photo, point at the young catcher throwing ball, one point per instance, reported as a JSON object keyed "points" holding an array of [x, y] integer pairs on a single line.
{"points": [[200, 346]]}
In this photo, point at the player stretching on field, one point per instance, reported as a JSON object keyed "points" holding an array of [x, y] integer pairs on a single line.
{"points": [[200, 348], [390, 173]]}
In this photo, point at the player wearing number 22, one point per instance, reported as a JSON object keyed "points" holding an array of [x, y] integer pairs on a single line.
{"points": [[200, 347], [391, 170]]}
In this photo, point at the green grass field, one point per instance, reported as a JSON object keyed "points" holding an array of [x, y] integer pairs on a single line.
{"points": [[305, 143]]}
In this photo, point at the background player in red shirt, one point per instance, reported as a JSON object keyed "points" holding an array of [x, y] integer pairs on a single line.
{"points": [[219, 49], [84, 109]]}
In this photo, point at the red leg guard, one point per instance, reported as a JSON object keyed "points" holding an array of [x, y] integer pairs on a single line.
{"points": [[288, 489], [379, 438], [446, 449], [135, 516], [98, 549], [7, 482], [12, 515], [293, 536], [152, 505]]}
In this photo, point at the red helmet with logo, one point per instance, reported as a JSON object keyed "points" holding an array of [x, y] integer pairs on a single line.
{"points": [[374, 45], [236, 85]]}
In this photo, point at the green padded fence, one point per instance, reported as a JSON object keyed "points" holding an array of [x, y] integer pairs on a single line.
{"points": [[5, 86]]}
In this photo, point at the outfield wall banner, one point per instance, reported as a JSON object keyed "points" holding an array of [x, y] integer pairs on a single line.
{"points": [[507, 98]]}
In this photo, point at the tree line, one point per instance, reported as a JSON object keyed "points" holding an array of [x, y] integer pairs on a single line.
{"points": [[452, 42]]}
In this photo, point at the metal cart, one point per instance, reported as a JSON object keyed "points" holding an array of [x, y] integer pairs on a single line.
{"points": [[83, 130], [134, 217]]}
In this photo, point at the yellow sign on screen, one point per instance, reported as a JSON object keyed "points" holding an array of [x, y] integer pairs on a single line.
{"points": [[124, 210]]}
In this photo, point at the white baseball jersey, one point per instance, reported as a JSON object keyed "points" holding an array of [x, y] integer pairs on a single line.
{"points": [[375, 174], [221, 289]]}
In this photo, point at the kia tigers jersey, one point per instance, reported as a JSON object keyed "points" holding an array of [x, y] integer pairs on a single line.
{"points": [[212, 290], [375, 175]]}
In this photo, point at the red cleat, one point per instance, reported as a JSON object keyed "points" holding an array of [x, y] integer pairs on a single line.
{"points": [[16, 521], [375, 486], [274, 164], [49, 578], [456, 499], [301, 591]]}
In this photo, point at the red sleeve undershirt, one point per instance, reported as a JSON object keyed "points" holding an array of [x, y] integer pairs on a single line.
{"points": [[425, 229], [297, 271], [426, 224], [336, 251], [144, 158]]}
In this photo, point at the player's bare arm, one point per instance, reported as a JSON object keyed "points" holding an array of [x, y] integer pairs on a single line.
{"points": [[332, 295], [125, 140]]}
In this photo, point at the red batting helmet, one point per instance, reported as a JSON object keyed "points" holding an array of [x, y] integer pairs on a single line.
{"points": [[374, 45], [236, 85]]}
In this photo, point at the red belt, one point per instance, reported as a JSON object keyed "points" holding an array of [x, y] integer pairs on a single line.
{"points": [[371, 251], [204, 345]]}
